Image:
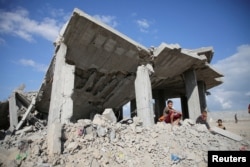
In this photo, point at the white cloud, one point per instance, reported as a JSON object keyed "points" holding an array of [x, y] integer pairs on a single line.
{"points": [[57, 12], [19, 24], [109, 20], [33, 64], [234, 93], [143, 25]]}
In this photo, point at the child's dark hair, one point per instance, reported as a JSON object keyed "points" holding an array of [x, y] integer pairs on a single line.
{"points": [[170, 101]]}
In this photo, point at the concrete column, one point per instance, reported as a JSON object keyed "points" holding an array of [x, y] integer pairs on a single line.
{"points": [[192, 94], [13, 111], [132, 108], [143, 92], [61, 105], [184, 107], [160, 103], [202, 95]]}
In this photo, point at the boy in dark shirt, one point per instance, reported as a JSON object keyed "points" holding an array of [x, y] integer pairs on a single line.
{"points": [[202, 119]]}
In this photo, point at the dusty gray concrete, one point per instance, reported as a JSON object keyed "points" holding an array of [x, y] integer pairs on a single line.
{"points": [[13, 111], [95, 68], [106, 143], [202, 95], [61, 108], [106, 61], [143, 93], [193, 100]]}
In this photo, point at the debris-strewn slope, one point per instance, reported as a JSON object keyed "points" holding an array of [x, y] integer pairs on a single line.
{"points": [[103, 142]]}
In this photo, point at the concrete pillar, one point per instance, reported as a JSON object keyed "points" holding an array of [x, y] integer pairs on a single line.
{"points": [[160, 103], [202, 95], [13, 111], [61, 105], [192, 94], [132, 108], [184, 107], [143, 92]]}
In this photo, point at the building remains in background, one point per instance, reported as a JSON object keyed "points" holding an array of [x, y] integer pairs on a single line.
{"points": [[95, 67]]}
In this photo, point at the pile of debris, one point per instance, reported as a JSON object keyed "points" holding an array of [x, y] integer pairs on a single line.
{"points": [[104, 142]]}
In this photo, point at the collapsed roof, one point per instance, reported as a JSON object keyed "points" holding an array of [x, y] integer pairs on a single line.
{"points": [[106, 62]]}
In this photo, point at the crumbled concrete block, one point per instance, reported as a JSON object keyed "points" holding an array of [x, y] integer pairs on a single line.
{"points": [[36, 150], [25, 130], [98, 120], [109, 115], [72, 146], [101, 131]]}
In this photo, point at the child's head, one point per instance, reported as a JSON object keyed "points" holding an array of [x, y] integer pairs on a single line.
{"points": [[219, 122], [204, 115], [170, 104]]}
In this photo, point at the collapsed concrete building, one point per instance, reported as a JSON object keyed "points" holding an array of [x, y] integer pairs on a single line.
{"points": [[96, 67]]}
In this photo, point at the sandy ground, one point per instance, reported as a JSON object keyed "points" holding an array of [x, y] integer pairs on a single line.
{"points": [[241, 128]]}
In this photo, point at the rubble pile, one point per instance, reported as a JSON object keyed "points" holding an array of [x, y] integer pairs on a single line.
{"points": [[105, 142], [29, 95]]}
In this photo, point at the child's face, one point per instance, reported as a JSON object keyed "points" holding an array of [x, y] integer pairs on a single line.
{"points": [[204, 116], [170, 105], [220, 122]]}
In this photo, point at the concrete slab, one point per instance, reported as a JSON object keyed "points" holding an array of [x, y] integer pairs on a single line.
{"points": [[226, 133]]}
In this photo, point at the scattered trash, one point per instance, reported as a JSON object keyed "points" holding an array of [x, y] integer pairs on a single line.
{"points": [[81, 131], [21, 156], [243, 148], [175, 158]]}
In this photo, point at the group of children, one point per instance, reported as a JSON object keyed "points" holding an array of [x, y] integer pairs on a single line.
{"points": [[172, 116]]}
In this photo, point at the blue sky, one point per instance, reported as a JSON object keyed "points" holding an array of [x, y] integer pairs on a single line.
{"points": [[29, 28]]}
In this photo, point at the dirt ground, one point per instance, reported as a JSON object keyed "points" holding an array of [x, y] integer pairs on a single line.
{"points": [[241, 128]]}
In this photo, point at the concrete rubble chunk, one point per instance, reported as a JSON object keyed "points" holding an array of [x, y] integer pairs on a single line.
{"points": [[98, 120], [25, 130], [137, 121], [72, 146], [201, 128], [101, 131], [112, 135], [36, 150], [109, 115]]}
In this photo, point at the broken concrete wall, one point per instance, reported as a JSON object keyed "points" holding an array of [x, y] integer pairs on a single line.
{"points": [[94, 91], [106, 61], [19, 102]]}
